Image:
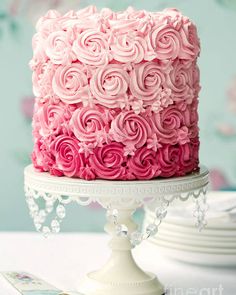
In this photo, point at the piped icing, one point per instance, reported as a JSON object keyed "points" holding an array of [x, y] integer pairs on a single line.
{"points": [[116, 94]]}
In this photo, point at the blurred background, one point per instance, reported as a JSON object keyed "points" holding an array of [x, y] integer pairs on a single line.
{"points": [[216, 22]]}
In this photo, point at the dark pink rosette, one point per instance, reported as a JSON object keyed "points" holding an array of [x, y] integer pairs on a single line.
{"points": [[189, 157], [169, 160], [144, 164], [108, 162], [66, 152]]}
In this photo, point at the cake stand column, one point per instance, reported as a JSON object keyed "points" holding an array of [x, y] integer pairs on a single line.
{"points": [[121, 274]]}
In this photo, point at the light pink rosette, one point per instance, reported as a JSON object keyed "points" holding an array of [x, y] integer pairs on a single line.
{"points": [[147, 80], [143, 165], [87, 11], [180, 81], [49, 23], [42, 80], [70, 83], [66, 152], [59, 47], [165, 42], [130, 129], [128, 47], [90, 125], [168, 123], [109, 86], [109, 162], [169, 160], [91, 47]]}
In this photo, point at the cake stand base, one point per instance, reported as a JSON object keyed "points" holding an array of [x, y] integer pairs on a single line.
{"points": [[120, 275], [149, 285]]}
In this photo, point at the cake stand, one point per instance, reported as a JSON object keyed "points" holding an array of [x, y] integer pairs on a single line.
{"points": [[120, 275]]}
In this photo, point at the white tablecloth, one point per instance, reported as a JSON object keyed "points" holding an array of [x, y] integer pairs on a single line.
{"points": [[64, 259]]}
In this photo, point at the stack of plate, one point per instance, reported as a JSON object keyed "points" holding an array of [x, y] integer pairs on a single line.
{"points": [[179, 238]]}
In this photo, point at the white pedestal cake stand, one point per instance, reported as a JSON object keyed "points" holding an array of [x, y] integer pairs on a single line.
{"points": [[120, 275]]}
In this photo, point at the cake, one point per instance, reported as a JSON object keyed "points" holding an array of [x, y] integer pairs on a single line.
{"points": [[116, 94]]}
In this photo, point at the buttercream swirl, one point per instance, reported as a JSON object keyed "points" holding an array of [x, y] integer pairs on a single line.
{"points": [[67, 157], [128, 47], [130, 129], [91, 47], [143, 165], [108, 161], [59, 47], [70, 83], [90, 125], [109, 86], [147, 80], [170, 125]]}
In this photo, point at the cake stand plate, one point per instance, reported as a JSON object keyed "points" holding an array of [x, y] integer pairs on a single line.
{"points": [[121, 274]]}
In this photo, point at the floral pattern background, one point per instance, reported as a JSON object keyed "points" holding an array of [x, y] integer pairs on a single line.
{"points": [[216, 20]]}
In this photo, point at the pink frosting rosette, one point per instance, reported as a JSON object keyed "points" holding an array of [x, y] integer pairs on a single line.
{"points": [[49, 23], [143, 165], [108, 162], [147, 80], [130, 129], [54, 118], [91, 47], [128, 47], [90, 125], [67, 157], [42, 80], [109, 86], [169, 160], [59, 47], [70, 83], [168, 125], [188, 158], [180, 81]]}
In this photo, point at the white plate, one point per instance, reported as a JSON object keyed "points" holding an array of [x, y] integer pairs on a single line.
{"points": [[187, 220], [207, 232], [190, 242], [198, 258], [197, 249]]}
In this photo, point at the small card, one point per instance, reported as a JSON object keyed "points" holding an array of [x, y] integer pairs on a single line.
{"points": [[28, 284]]}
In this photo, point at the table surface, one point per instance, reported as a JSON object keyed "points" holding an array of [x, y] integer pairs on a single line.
{"points": [[64, 259]]}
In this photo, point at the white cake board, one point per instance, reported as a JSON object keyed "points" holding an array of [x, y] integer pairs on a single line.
{"points": [[120, 275]]}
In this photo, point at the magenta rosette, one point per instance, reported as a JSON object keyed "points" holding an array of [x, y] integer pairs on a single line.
{"points": [[169, 160], [109, 85], [67, 157], [130, 129], [168, 125], [91, 47], [109, 162], [90, 125], [147, 80], [188, 157], [144, 164], [70, 83]]}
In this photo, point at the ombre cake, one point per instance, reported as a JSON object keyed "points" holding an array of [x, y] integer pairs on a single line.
{"points": [[116, 94]]}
